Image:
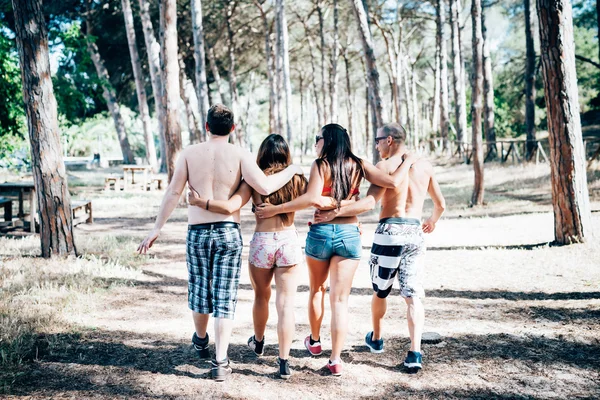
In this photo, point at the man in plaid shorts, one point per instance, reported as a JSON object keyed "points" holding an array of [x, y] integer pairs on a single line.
{"points": [[398, 246], [214, 169]]}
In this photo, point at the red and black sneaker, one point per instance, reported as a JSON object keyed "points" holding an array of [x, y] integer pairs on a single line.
{"points": [[313, 346]]}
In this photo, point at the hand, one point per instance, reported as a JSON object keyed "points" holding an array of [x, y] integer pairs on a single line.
{"points": [[148, 241], [410, 158], [428, 226], [324, 216], [265, 210], [194, 199]]}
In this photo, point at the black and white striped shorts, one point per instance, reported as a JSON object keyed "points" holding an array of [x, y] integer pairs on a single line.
{"points": [[398, 249]]}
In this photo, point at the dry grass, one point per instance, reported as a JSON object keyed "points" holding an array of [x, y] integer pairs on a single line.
{"points": [[519, 318]]}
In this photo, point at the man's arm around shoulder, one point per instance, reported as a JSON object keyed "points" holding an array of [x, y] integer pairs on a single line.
{"points": [[256, 178]]}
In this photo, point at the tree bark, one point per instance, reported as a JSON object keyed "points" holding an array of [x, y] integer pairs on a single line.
{"points": [[441, 35], [476, 103], [371, 65], [409, 101], [270, 72], [190, 102], [108, 92], [323, 51], [435, 116], [233, 92], [349, 104], [219, 94], [50, 177], [529, 82], [313, 64], [139, 84], [416, 128], [488, 92], [200, 59], [170, 78], [153, 51], [460, 101], [335, 53], [572, 215], [286, 69]]}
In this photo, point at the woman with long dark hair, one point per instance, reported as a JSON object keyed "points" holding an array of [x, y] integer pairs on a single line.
{"points": [[333, 249], [275, 250]]}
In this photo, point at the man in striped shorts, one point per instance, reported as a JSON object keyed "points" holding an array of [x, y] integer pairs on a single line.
{"points": [[398, 246]]}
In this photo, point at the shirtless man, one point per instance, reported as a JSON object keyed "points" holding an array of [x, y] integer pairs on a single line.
{"points": [[214, 241], [398, 246]]}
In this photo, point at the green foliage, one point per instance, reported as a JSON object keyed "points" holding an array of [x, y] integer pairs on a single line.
{"points": [[12, 115], [76, 86]]}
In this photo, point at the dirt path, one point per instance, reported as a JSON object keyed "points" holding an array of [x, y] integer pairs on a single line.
{"points": [[516, 323]]}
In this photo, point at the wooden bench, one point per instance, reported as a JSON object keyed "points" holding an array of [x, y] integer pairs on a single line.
{"points": [[114, 180], [155, 181], [7, 205], [85, 205]]}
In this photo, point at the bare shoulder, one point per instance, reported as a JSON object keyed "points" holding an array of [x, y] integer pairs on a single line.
{"points": [[424, 165]]}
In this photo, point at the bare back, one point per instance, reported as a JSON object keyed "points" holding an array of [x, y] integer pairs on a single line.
{"points": [[407, 199], [214, 171]]}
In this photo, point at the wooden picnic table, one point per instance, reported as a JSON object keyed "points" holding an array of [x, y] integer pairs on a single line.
{"points": [[144, 169], [22, 190]]}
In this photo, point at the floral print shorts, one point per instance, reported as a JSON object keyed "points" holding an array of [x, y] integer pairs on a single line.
{"points": [[275, 249]]}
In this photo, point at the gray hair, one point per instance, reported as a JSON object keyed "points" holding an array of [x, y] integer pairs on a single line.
{"points": [[395, 130]]}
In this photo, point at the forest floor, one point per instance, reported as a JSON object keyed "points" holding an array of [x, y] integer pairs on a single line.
{"points": [[519, 318]]}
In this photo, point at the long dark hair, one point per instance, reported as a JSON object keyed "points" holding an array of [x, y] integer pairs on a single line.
{"points": [[274, 156], [346, 168]]}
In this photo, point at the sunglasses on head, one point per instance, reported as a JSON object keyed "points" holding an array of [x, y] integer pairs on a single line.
{"points": [[317, 138]]}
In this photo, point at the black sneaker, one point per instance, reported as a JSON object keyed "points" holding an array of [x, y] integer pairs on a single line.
{"points": [[413, 361], [201, 346], [256, 346], [284, 368], [220, 370]]}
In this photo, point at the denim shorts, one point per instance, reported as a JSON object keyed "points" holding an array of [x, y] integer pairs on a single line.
{"points": [[327, 240]]}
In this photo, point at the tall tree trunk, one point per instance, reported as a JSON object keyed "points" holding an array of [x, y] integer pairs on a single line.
{"points": [[219, 95], [409, 103], [349, 95], [50, 177], [416, 129], [313, 64], [488, 92], [170, 78], [371, 65], [270, 72], [139, 84], [477, 102], [335, 53], [278, 63], [572, 215], [435, 117], [460, 101], [286, 69], [239, 135], [441, 37], [200, 59], [153, 51], [190, 102], [108, 92], [529, 82], [323, 68]]}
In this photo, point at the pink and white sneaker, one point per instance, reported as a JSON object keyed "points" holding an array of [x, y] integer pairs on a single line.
{"points": [[335, 367], [315, 348]]}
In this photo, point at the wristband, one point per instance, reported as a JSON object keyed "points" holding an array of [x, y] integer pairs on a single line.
{"points": [[207, 201]]}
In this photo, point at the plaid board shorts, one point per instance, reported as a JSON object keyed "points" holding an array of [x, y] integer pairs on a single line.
{"points": [[214, 261], [398, 250]]}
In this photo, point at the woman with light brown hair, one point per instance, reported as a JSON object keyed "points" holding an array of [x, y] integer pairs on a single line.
{"points": [[275, 250]]}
